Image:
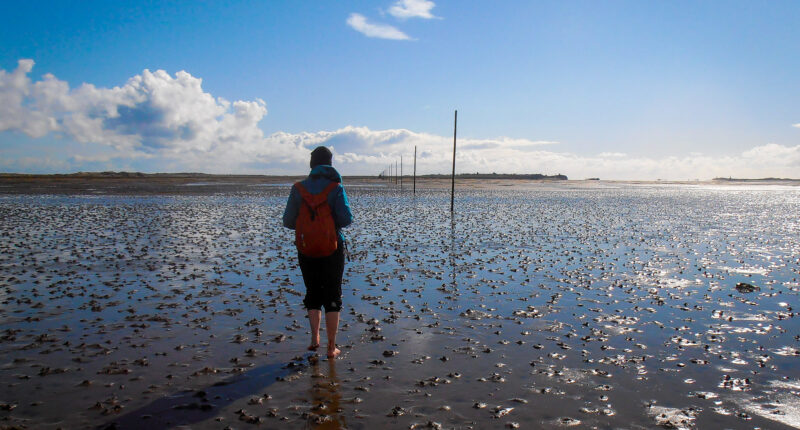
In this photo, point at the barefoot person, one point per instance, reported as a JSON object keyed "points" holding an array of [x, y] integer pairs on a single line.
{"points": [[317, 210]]}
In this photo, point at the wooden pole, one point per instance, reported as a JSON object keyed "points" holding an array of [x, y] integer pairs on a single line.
{"points": [[453, 176], [415, 169]]}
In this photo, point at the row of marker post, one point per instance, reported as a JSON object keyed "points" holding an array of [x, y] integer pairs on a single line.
{"points": [[392, 175]]}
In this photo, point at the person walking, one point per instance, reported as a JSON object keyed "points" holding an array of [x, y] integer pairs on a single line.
{"points": [[317, 210]]}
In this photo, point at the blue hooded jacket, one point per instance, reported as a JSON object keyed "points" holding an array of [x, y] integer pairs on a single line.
{"points": [[315, 183]]}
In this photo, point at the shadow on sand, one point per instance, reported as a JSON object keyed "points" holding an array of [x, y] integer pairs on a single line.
{"points": [[190, 407]]}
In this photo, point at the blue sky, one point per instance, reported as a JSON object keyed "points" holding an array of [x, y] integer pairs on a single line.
{"points": [[622, 90]]}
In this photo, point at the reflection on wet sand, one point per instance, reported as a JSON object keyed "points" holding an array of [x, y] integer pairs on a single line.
{"points": [[326, 412]]}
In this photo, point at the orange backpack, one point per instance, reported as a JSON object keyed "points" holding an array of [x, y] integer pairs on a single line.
{"points": [[315, 231]]}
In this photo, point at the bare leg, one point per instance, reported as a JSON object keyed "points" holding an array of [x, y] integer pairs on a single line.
{"points": [[314, 317], [332, 327]]}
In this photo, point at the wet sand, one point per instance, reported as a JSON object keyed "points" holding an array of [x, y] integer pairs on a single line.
{"points": [[123, 183], [539, 304]]}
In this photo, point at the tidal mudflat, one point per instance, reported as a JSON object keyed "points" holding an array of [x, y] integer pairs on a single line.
{"points": [[536, 305]]}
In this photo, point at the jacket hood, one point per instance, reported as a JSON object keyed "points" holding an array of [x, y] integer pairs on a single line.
{"points": [[327, 172]]}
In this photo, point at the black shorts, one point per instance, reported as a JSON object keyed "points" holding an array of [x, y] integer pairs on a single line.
{"points": [[323, 279]]}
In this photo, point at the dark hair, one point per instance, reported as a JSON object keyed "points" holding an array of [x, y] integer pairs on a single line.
{"points": [[321, 156]]}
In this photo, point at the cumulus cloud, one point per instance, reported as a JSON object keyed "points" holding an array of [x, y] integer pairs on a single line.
{"points": [[362, 151], [405, 9], [152, 112], [381, 31], [773, 154], [15, 113], [159, 122]]}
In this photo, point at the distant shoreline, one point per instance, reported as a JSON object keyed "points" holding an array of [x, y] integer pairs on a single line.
{"points": [[196, 175], [730, 179], [136, 183], [120, 175], [523, 176]]}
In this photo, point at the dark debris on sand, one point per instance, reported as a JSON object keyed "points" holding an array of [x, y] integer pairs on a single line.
{"points": [[546, 305]]}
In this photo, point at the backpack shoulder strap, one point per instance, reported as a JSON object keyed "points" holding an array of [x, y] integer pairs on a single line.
{"points": [[305, 197], [304, 194], [332, 186], [314, 200]]}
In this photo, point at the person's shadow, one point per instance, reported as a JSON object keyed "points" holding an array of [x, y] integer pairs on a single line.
{"points": [[326, 411], [190, 407]]}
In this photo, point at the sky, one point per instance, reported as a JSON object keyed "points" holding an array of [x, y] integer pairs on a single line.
{"points": [[611, 89]]}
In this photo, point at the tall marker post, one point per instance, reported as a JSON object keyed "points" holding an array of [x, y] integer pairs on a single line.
{"points": [[415, 169], [401, 172], [453, 176]]}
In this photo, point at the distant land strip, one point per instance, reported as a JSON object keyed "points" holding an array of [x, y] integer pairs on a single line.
{"points": [[530, 176], [135, 183], [730, 179], [110, 174], [122, 175]]}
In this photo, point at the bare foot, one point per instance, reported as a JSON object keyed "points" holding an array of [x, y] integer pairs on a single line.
{"points": [[313, 347], [333, 351]]}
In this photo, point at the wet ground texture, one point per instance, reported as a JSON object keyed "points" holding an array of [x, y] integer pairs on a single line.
{"points": [[538, 305]]}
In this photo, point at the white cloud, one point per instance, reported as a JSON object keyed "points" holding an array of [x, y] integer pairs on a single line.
{"points": [[382, 31], [773, 154], [361, 151], [159, 122], [152, 112], [15, 114], [611, 154], [405, 9], [796, 125]]}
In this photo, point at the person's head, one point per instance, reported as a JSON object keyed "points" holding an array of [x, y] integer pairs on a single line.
{"points": [[321, 156]]}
